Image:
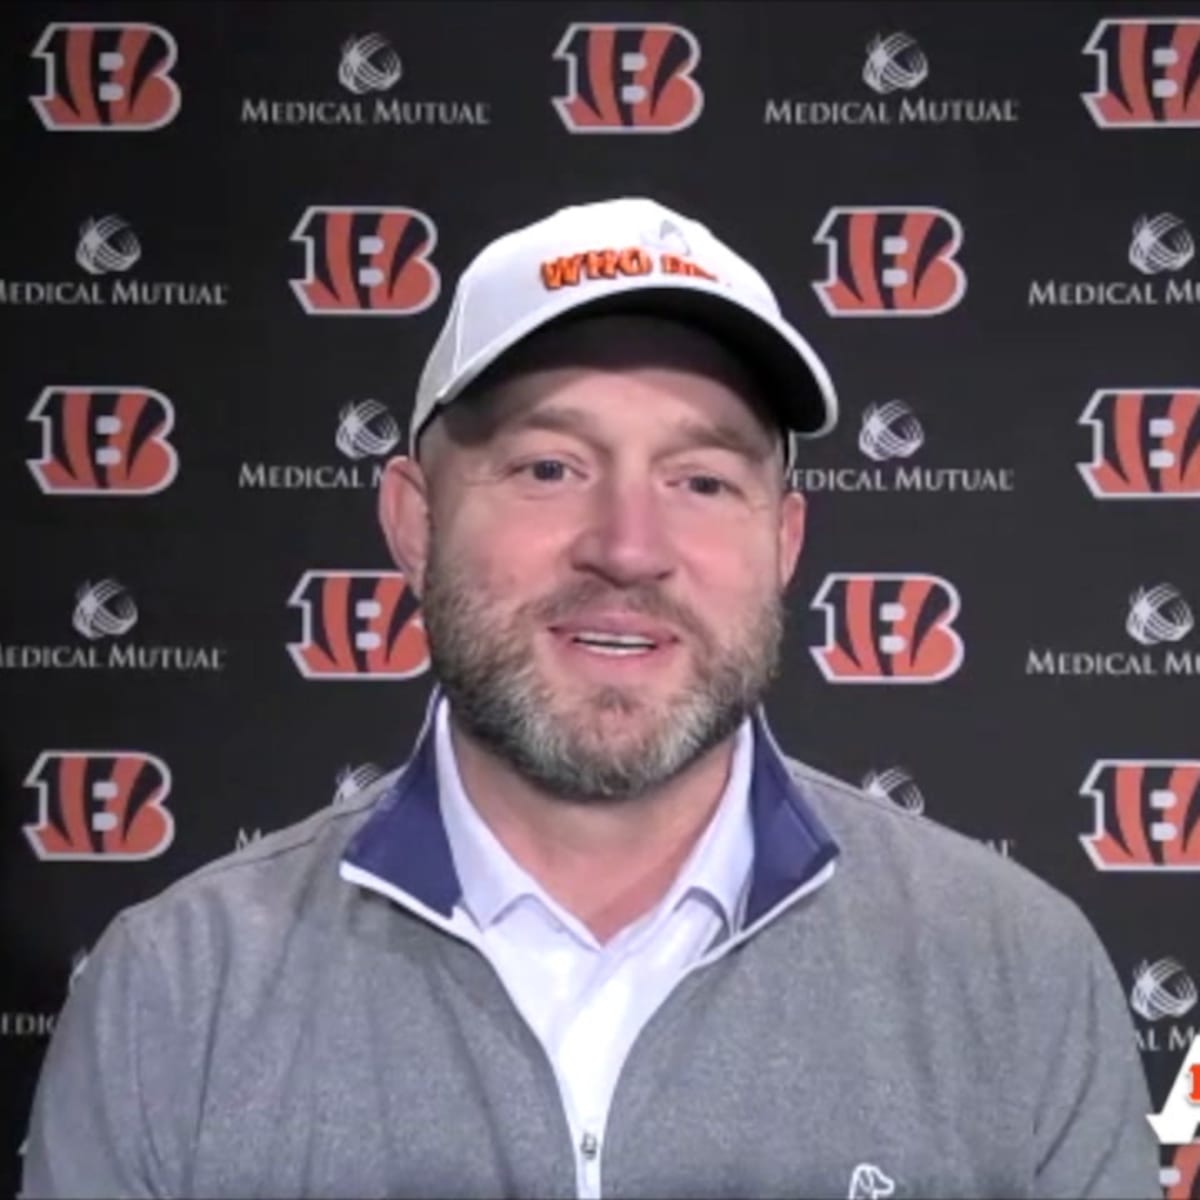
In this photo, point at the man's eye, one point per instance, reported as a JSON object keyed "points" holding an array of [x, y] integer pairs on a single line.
{"points": [[546, 470], [707, 485]]}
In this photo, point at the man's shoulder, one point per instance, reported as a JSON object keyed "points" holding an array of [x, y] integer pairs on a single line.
{"points": [[272, 877], [948, 877]]}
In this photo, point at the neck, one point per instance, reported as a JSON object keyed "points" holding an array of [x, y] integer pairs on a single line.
{"points": [[609, 862]]}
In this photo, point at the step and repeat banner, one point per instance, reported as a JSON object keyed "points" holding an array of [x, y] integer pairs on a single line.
{"points": [[232, 232]]}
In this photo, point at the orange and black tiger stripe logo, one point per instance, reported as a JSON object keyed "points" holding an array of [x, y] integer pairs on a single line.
{"points": [[1181, 1177], [629, 78], [358, 625], [363, 261], [104, 441], [104, 806], [888, 628], [1147, 73], [1145, 444], [890, 262], [106, 77], [1147, 814]]}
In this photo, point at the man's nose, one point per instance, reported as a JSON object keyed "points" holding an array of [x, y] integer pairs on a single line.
{"points": [[625, 536]]}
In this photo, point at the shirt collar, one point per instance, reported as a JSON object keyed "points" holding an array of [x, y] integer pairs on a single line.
{"points": [[404, 843], [492, 880]]}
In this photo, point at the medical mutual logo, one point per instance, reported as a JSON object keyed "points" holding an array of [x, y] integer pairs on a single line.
{"points": [[890, 431], [369, 69], [106, 245], [891, 91], [106, 251], [1159, 614], [366, 430], [369, 64], [1162, 994], [1154, 266], [894, 63], [1160, 623], [892, 439], [1161, 243], [104, 609], [104, 616], [365, 434], [896, 785]]}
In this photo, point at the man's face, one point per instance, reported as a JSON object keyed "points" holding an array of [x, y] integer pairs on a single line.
{"points": [[607, 550]]}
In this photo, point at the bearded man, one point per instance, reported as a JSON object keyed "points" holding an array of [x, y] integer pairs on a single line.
{"points": [[600, 936]]}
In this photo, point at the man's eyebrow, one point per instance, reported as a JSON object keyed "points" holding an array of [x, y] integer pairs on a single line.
{"points": [[554, 420], [686, 435], [722, 436]]}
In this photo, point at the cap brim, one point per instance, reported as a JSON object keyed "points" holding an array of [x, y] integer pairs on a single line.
{"points": [[795, 382]]}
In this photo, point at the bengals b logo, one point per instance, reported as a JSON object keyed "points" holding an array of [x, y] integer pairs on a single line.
{"points": [[105, 77], [1147, 814], [1147, 73], [629, 78], [105, 806], [366, 261], [104, 441], [1182, 1177], [358, 625], [1145, 444], [890, 262], [888, 629]]}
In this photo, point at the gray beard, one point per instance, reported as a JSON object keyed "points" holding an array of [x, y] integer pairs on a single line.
{"points": [[487, 673]]}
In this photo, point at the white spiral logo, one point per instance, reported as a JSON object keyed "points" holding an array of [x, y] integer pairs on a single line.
{"points": [[890, 430], [365, 429], [104, 609], [896, 785], [107, 244], [669, 237], [1158, 614], [1162, 989], [369, 64], [352, 780], [894, 63], [1160, 243]]}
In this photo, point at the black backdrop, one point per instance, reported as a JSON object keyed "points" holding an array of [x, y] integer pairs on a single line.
{"points": [[152, 594]]}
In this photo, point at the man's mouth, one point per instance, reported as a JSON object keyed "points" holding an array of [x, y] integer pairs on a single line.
{"points": [[614, 643], [615, 635]]}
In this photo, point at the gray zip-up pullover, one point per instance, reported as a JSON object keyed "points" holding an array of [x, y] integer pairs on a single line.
{"points": [[904, 1013]]}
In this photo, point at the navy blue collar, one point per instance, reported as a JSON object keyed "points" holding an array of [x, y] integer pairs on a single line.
{"points": [[404, 843]]}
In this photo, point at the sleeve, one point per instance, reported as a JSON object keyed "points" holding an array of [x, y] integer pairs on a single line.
{"points": [[1092, 1136], [91, 1131]]}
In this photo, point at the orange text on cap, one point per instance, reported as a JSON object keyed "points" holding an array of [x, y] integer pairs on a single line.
{"points": [[571, 269]]}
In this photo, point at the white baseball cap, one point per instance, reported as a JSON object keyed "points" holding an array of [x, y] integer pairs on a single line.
{"points": [[614, 255]]}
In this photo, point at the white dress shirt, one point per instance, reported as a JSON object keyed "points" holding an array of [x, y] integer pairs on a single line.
{"points": [[587, 1001]]}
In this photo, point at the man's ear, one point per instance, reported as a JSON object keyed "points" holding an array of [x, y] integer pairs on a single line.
{"points": [[404, 517], [792, 513]]}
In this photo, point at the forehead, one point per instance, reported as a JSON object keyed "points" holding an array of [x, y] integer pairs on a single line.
{"points": [[688, 371]]}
